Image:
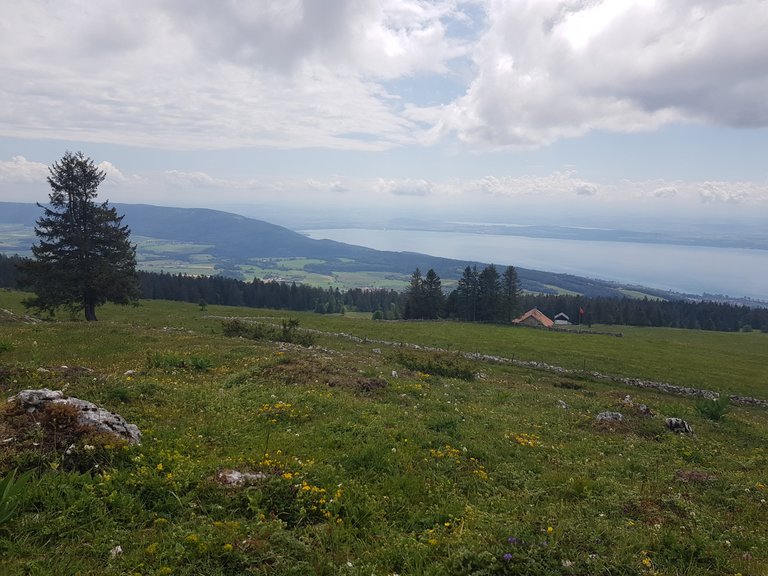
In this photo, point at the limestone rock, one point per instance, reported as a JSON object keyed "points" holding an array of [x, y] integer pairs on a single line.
{"points": [[237, 478], [678, 426], [90, 414], [609, 417]]}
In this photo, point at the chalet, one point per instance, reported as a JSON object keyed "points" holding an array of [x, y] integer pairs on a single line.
{"points": [[561, 319], [534, 317]]}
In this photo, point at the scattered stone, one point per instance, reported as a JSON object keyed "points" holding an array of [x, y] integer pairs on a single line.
{"points": [[115, 552], [35, 399], [89, 415], [129, 372], [609, 417], [641, 408], [394, 373], [678, 426], [237, 478], [376, 350], [568, 372], [694, 476], [563, 405], [42, 370]]}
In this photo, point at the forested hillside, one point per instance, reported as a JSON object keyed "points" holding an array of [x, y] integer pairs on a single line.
{"points": [[390, 304]]}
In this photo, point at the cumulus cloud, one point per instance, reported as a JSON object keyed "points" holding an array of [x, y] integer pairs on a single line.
{"points": [[556, 184], [406, 187], [665, 192], [719, 192], [549, 69], [197, 75], [113, 173], [586, 190], [18, 169], [303, 73]]}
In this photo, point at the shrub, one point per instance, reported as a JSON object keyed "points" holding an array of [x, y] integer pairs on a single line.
{"points": [[289, 331], [437, 363], [5, 346], [714, 409], [174, 362]]}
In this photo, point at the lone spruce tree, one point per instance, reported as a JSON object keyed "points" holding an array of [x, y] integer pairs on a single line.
{"points": [[84, 257]]}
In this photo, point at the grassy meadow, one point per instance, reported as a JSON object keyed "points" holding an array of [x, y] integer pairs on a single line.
{"points": [[372, 459]]}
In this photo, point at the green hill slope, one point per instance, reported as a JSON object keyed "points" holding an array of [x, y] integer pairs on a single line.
{"points": [[368, 459]]}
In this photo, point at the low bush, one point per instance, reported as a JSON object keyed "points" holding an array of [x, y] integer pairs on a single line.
{"points": [[444, 364], [168, 361], [714, 409], [288, 331]]}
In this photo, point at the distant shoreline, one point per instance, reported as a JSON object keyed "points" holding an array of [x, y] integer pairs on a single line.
{"points": [[738, 272]]}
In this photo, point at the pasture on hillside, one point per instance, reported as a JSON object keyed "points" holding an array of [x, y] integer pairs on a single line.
{"points": [[374, 459]]}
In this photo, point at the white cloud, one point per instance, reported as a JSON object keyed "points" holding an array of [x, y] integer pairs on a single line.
{"points": [[197, 75], [18, 169], [114, 175], [191, 75], [406, 187], [548, 70]]}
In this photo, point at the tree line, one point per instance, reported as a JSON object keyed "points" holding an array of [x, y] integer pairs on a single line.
{"points": [[698, 315], [484, 296], [260, 294], [481, 296], [487, 296]]}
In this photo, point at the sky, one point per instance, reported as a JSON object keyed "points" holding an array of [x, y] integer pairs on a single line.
{"points": [[632, 112]]}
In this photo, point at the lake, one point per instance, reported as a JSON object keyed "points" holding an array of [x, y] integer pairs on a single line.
{"points": [[691, 269]]}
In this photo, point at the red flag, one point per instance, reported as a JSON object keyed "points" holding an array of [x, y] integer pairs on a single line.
{"points": [[581, 311]]}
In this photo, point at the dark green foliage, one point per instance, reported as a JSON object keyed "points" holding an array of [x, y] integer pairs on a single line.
{"points": [[437, 363], [467, 295], [9, 271], [714, 409], [11, 490], [289, 331], [170, 361], [485, 296], [489, 295], [424, 298], [510, 293], [84, 258], [5, 346], [260, 294]]}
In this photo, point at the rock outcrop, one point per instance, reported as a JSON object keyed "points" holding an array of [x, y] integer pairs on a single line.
{"points": [[89, 415]]}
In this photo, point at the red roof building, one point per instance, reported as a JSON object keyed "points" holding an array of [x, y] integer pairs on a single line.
{"points": [[534, 317]]}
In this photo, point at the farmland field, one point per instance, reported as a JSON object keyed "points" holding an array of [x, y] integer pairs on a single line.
{"points": [[375, 459]]}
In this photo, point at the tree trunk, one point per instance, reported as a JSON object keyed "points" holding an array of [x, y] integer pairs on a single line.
{"points": [[90, 311]]}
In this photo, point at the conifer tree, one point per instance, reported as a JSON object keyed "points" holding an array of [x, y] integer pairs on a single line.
{"points": [[84, 257], [489, 298], [414, 296], [511, 288], [467, 294], [433, 295]]}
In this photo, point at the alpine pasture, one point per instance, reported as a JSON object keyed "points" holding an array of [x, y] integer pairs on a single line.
{"points": [[365, 458]]}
